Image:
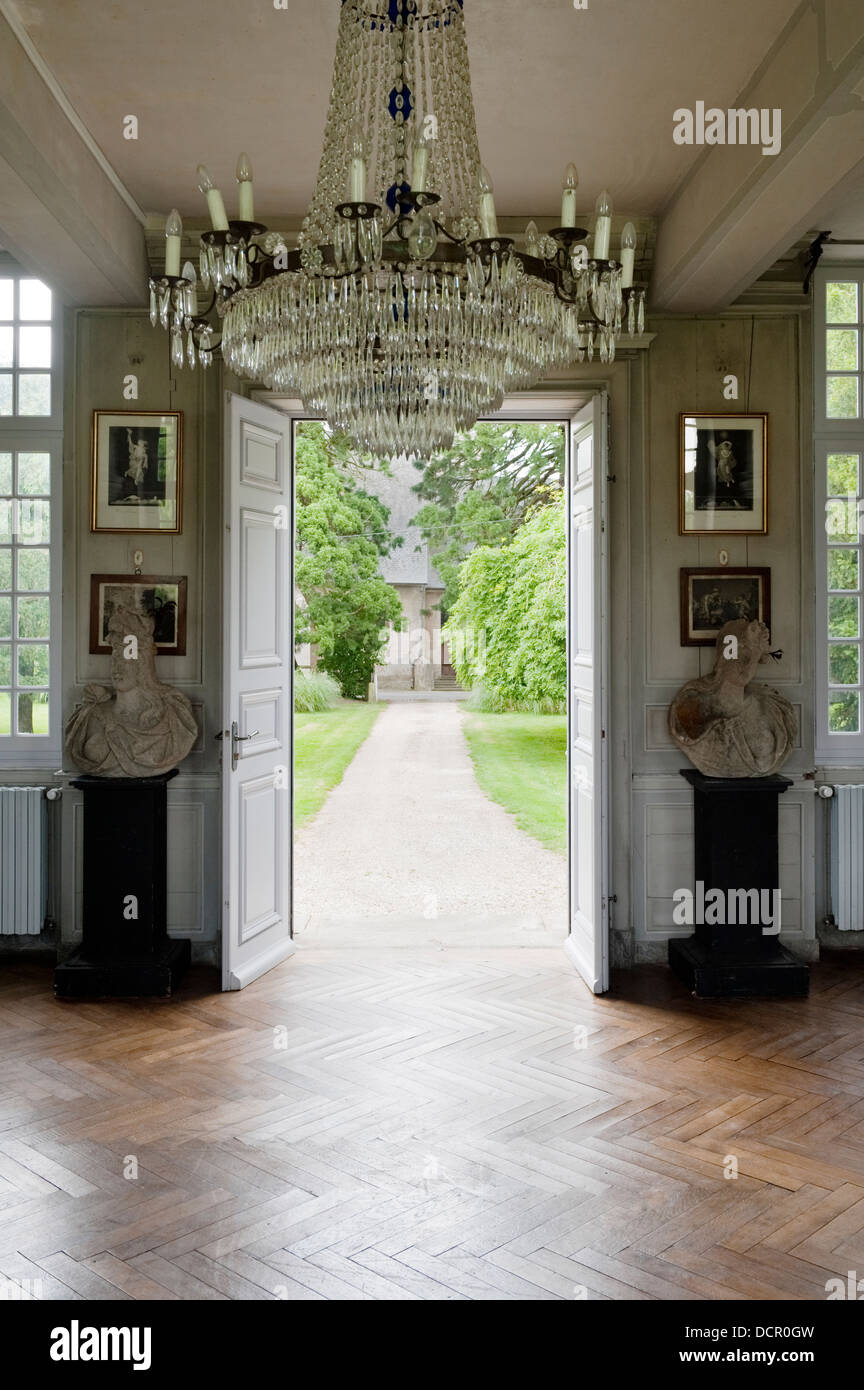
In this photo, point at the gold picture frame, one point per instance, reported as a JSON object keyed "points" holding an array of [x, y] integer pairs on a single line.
{"points": [[714, 595], [136, 480], [723, 474], [163, 596]]}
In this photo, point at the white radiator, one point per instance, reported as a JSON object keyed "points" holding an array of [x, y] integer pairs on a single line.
{"points": [[847, 857], [22, 860]]}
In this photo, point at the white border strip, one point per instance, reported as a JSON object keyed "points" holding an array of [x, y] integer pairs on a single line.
{"points": [[10, 14]]}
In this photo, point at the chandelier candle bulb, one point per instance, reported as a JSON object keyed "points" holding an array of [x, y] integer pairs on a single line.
{"points": [[568, 197], [218, 218], [602, 226], [420, 165], [173, 233], [357, 175], [246, 203], [628, 255], [486, 209], [532, 240]]}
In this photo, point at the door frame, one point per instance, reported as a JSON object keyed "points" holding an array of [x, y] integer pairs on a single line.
{"points": [[560, 402]]}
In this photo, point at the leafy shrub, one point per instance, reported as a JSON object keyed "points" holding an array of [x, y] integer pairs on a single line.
{"points": [[314, 692], [485, 701], [341, 534], [508, 629]]}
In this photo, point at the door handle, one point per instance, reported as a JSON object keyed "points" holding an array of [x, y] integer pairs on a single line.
{"points": [[237, 738]]}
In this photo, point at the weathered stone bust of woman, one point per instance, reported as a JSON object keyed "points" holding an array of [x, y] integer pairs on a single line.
{"points": [[727, 726], [140, 728]]}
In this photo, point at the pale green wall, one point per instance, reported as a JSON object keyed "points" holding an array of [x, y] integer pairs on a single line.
{"points": [[768, 352], [105, 346]]}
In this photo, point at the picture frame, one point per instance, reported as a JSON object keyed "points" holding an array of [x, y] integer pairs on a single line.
{"points": [[714, 595], [723, 475], [163, 595], [136, 482]]}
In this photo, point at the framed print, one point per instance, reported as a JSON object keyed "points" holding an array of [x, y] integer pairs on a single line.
{"points": [[164, 597], [137, 477], [723, 485], [712, 597]]}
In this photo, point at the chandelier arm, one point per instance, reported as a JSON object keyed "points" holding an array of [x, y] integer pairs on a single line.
{"points": [[215, 345], [203, 317], [459, 240]]}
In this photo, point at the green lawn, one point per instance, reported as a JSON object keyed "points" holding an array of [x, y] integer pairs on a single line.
{"points": [[40, 716], [521, 762], [324, 745]]}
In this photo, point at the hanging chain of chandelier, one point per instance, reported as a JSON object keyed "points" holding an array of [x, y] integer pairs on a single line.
{"points": [[404, 316]]}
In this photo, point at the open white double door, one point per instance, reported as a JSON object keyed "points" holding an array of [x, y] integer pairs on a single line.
{"points": [[257, 693]]}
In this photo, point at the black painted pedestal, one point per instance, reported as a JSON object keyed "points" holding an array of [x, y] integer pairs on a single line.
{"points": [[125, 948], [737, 847]]}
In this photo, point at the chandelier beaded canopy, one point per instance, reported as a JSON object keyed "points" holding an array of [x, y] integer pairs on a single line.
{"points": [[402, 315]]}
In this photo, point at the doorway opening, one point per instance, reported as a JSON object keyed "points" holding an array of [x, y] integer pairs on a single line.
{"points": [[446, 777]]}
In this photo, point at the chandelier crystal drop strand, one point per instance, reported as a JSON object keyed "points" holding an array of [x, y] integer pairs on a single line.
{"points": [[404, 316]]}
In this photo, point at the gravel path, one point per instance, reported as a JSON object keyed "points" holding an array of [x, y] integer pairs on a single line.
{"points": [[409, 850]]}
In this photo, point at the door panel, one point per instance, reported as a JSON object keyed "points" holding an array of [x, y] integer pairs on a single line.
{"points": [[587, 943], [257, 722], [260, 586]]}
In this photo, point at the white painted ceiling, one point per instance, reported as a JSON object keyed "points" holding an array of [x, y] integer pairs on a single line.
{"points": [[207, 78], [843, 217]]}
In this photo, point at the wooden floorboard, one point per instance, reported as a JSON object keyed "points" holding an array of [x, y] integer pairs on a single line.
{"points": [[423, 1125]]}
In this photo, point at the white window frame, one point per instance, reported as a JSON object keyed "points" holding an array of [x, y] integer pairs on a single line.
{"points": [[834, 748], [41, 434]]}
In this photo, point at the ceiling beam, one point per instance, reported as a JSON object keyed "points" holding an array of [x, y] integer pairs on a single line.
{"points": [[739, 209], [63, 212]]}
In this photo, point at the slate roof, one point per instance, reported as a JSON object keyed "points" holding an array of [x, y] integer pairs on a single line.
{"points": [[409, 563]]}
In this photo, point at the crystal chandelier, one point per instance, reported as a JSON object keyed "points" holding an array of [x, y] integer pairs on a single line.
{"points": [[403, 316]]}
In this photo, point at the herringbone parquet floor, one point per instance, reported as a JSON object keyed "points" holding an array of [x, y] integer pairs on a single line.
{"points": [[432, 1126]]}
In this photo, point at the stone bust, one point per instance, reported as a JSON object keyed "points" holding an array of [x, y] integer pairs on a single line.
{"points": [[727, 726], [140, 727]]}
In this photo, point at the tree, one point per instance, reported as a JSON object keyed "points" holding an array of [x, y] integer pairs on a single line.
{"points": [[508, 628], [341, 534], [480, 491]]}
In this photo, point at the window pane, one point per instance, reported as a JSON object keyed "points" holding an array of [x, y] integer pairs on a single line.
{"points": [[5, 617], [7, 293], [841, 395], [5, 569], [34, 618], [34, 393], [34, 572], [841, 351], [33, 665], [34, 475], [842, 470], [33, 713], [842, 617], [5, 393], [5, 521], [34, 301], [841, 519], [842, 569], [34, 348], [842, 663], [34, 521], [843, 712], [6, 348], [841, 301], [5, 474], [5, 664], [5, 713]]}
